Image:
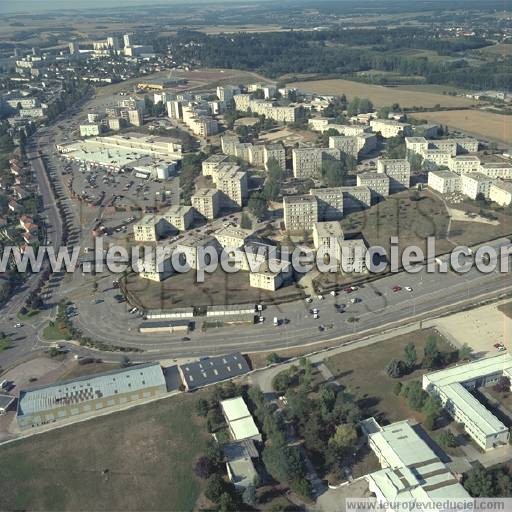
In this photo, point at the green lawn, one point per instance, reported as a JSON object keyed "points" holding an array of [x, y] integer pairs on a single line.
{"points": [[30, 314], [140, 459], [53, 333]]}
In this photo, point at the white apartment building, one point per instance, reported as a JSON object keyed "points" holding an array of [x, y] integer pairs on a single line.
{"points": [[226, 92], [330, 203], [475, 184], [307, 163], [445, 182], [148, 229], [453, 387], [242, 102], [461, 164], [207, 201], [91, 129], [200, 124], [319, 124], [257, 156], [378, 183], [398, 170], [437, 157], [300, 212], [416, 145], [390, 128], [501, 192], [501, 170], [353, 256]]}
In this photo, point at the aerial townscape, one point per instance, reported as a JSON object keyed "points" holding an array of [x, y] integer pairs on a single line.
{"points": [[255, 256]]}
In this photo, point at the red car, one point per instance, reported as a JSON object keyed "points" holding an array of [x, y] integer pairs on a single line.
{"points": [[396, 288]]}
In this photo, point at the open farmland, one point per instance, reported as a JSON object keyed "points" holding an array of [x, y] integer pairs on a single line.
{"points": [[139, 459], [381, 95], [503, 49], [474, 122]]}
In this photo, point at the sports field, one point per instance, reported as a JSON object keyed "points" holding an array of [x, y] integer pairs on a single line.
{"points": [[381, 95], [476, 122]]}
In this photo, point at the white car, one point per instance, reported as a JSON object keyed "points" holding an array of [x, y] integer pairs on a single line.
{"points": [[320, 297], [17, 326], [333, 293], [309, 299], [316, 316], [407, 288]]}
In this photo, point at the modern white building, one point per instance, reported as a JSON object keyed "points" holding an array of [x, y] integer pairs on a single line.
{"points": [[445, 182], [501, 192], [411, 472], [239, 419], [475, 184], [453, 387]]}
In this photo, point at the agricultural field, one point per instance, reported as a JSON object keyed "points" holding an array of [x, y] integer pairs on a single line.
{"points": [[381, 95], [501, 49], [139, 459], [474, 122]]}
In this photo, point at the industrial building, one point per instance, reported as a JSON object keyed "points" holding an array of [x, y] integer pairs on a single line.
{"points": [[89, 394], [239, 419], [210, 370], [453, 387]]}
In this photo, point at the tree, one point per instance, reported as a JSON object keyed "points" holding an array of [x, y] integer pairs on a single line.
{"points": [[273, 358], [478, 482], [465, 352], [410, 356], [503, 384], [432, 356], [334, 172], [125, 362], [396, 369], [446, 439], [249, 495], [203, 468], [202, 407], [227, 503], [343, 439], [215, 487], [383, 112], [415, 395], [258, 204]]}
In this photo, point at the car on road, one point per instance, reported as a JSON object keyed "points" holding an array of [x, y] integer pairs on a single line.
{"points": [[18, 325], [396, 288], [276, 321], [309, 300], [320, 297], [408, 288], [333, 293]]}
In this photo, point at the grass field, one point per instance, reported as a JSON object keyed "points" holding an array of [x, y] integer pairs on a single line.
{"points": [[502, 49], [218, 288], [477, 122], [140, 459], [363, 371], [381, 95]]}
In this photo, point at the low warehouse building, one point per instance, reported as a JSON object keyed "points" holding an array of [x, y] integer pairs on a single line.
{"points": [[89, 394], [157, 327], [239, 419]]}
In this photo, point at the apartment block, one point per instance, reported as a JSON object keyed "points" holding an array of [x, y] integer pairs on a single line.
{"points": [[330, 203], [211, 163], [228, 143], [328, 235], [378, 183], [353, 256], [265, 279], [501, 192], [91, 129], [356, 198], [242, 102], [230, 237], [416, 145], [225, 93], [390, 128], [437, 157], [307, 163], [257, 156], [300, 212], [475, 184], [179, 217], [319, 124], [398, 170], [230, 180], [207, 201], [501, 170], [276, 151], [461, 164], [148, 229], [348, 145], [445, 182]]}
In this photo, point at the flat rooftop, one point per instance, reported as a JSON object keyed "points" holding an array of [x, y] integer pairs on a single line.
{"points": [[333, 229]]}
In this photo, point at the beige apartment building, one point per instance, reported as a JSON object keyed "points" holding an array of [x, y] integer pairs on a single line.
{"points": [[461, 164], [445, 182], [257, 156], [501, 192], [390, 128], [211, 163], [265, 279], [230, 180], [378, 183], [329, 235], [207, 201], [300, 212], [398, 171], [276, 151], [356, 198], [475, 184], [307, 163], [242, 102], [330, 203], [437, 157], [416, 145], [149, 228], [178, 217], [319, 124], [91, 129], [348, 145], [230, 237]]}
